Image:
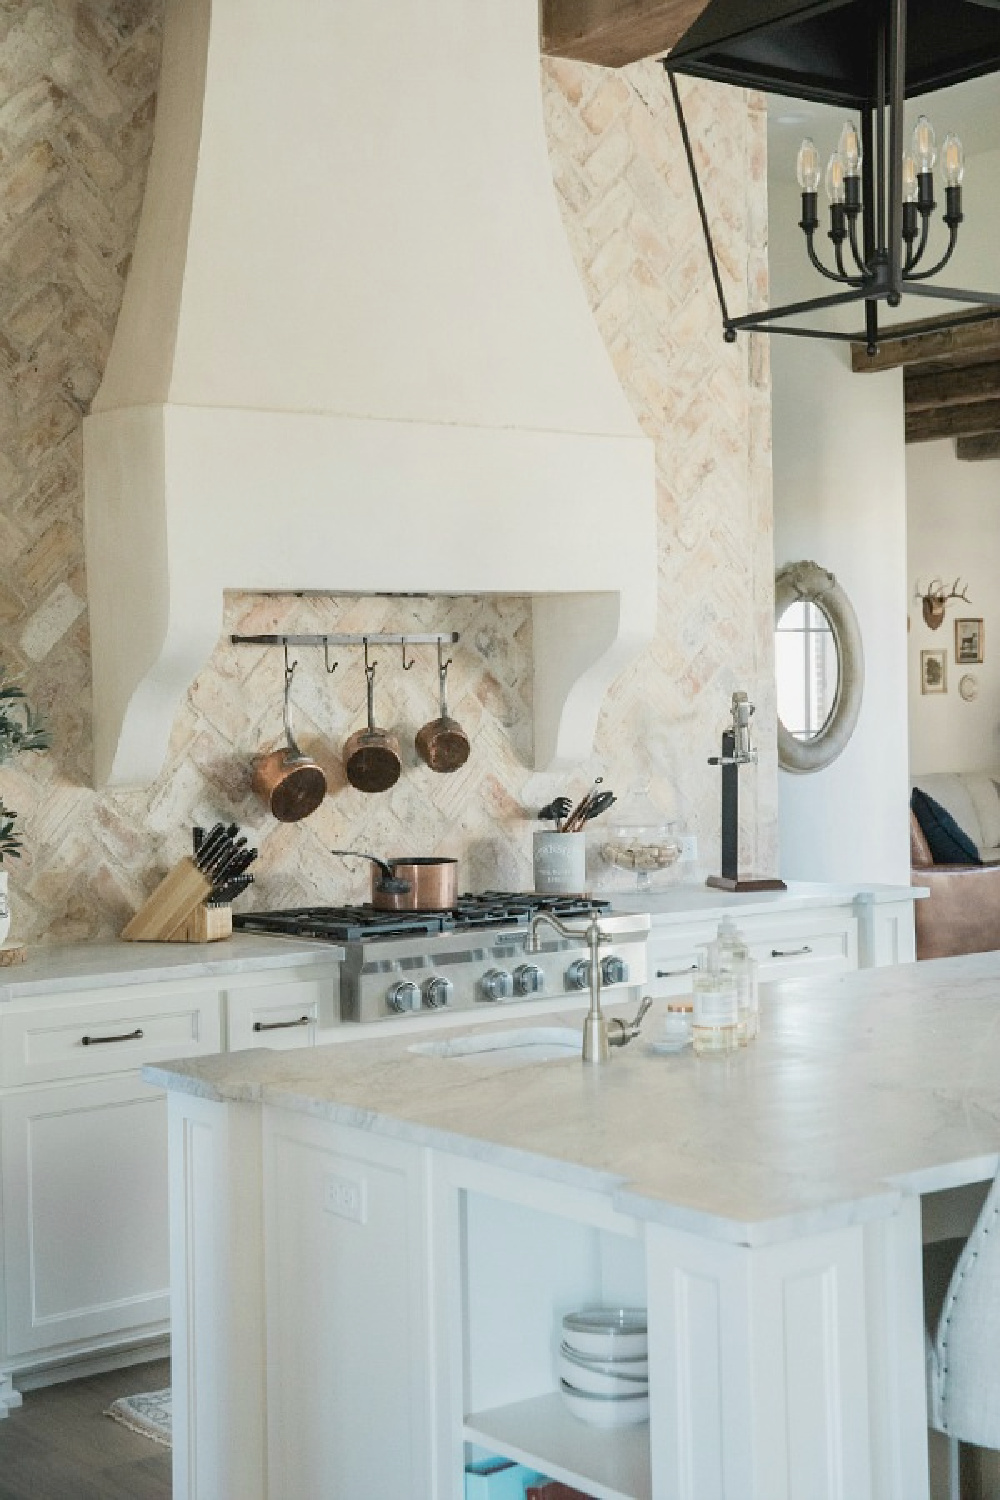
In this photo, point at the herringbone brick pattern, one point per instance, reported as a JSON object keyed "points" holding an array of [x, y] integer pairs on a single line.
{"points": [[77, 96]]}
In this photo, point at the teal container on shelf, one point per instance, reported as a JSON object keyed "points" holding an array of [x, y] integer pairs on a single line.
{"points": [[498, 1479]]}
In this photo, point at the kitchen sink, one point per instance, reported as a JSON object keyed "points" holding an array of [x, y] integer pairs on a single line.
{"points": [[512, 1049]]}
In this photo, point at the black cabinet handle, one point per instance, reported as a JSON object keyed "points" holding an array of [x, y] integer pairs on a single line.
{"points": [[102, 1041], [790, 952], [676, 973], [281, 1025]]}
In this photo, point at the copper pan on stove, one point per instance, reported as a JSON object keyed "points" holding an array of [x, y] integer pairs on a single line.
{"points": [[410, 883]]}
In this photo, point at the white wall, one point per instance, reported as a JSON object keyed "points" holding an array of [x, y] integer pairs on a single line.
{"points": [[840, 499], [954, 530]]}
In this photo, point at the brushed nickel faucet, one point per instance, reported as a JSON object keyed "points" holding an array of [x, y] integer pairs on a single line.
{"points": [[599, 1034]]}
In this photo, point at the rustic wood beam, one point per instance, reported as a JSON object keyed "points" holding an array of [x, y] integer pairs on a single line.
{"points": [[965, 420], [614, 33], [975, 449], [937, 388], [917, 346]]}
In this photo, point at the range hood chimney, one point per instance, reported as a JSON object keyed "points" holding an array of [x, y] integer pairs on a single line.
{"points": [[354, 356]]}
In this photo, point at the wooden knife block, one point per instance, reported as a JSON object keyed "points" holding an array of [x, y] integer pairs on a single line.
{"points": [[176, 913]]}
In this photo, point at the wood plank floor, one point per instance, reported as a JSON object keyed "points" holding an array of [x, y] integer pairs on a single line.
{"points": [[60, 1446]]}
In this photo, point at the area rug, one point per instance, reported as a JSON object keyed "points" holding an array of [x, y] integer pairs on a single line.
{"points": [[149, 1414]]}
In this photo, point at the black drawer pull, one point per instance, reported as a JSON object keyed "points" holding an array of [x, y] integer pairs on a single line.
{"points": [[281, 1025], [676, 973], [100, 1041], [790, 952]]}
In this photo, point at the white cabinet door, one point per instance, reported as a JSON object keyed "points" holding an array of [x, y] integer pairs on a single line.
{"points": [[84, 1170]]}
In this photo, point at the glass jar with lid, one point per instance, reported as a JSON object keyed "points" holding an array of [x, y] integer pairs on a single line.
{"points": [[638, 840]]}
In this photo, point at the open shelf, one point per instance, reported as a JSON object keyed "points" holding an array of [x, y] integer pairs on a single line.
{"points": [[541, 1433]]}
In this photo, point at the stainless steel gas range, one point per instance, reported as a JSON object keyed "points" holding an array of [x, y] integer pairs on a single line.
{"points": [[475, 955]]}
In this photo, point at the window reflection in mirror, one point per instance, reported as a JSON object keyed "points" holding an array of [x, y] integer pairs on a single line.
{"points": [[807, 666]]}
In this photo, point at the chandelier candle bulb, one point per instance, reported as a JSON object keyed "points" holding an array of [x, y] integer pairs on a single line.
{"points": [[924, 145], [953, 161], [808, 169], [835, 174]]}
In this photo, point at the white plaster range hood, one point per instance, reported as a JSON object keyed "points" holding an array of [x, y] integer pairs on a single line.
{"points": [[355, 356]]}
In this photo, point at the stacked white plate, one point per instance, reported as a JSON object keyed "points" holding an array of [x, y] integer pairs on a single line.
{"points": [[604, 1367]]}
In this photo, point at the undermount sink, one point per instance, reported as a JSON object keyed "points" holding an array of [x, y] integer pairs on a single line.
{"points": [[514, 1048]]}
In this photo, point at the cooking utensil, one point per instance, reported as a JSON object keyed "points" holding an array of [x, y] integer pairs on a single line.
{"points": [[599, 805], [555, 811], [413, 883], [291, 784], [442, 743], [371, 756], [575, 820]]}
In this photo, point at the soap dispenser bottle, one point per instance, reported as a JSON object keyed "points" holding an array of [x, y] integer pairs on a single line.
{"points": [[737, 958], [714, 1022]]}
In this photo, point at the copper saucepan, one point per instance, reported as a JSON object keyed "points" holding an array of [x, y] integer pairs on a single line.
{"points": [[417, 883], [371, 756], [291, 784], [443, 744]]}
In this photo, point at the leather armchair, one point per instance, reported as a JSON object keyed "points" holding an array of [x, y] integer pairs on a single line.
{"points": [[962, 912]]}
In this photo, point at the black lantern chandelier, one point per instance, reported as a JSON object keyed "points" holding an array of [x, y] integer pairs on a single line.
{"points": [[868, 56]]}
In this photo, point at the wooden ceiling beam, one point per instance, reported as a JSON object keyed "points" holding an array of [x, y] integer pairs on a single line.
{"points": [[975, 449], [967, 419], [980, 338], [614, 33], [935, 388]]}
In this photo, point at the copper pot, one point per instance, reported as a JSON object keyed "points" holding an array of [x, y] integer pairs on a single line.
{"points": [[289, 783], [443, 744], [414, 883], [371, 756]]}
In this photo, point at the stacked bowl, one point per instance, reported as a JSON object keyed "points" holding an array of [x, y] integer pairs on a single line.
{"points": [[603, 1365]]}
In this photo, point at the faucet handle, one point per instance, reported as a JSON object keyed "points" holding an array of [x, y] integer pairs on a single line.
{"points": [[620, 1033]]}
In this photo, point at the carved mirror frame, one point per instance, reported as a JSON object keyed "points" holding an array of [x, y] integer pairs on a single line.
{"points": [[808, 583]]}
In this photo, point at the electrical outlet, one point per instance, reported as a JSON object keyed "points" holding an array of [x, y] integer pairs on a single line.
{"points": [[346, 1198], [689, 848]]}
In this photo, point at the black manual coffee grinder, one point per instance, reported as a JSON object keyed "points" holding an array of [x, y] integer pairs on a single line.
{"points": [[737, 750]]}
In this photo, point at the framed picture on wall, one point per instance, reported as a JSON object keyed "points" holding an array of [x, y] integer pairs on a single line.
{"points": [[933, 671], [970, 642]]}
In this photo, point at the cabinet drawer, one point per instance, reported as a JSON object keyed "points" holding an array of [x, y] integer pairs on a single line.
{"points": [[90, 1035], [817, 946], [275, 1015]]}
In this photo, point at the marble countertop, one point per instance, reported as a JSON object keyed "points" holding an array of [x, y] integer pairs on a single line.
{"points": [[697, 902], [82, 966], [861, 1088]]}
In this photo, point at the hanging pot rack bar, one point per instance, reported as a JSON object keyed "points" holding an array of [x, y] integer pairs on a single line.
{"points": [[375, 639]]}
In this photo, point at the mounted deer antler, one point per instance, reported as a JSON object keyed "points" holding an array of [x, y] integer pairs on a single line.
{"points": [[934, 599]]}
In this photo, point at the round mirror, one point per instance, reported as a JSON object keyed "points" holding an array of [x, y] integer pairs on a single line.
{"points": [[819, 666]]}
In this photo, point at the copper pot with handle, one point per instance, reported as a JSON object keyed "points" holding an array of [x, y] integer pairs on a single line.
{"points": [[371, 756], [411, 883], [443, 744], [289, 783]]}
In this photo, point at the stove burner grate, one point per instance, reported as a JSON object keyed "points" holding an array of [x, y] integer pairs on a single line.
{"points": [[351, 924]]}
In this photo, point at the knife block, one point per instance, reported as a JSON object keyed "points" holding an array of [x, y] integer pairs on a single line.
{"points": [[171, 906], [206, 924]]}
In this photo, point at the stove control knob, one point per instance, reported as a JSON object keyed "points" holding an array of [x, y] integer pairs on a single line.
{"points": [[578, 974], [404, 996], [528, 979], [497, 985], [437, 992], [614, 970]]}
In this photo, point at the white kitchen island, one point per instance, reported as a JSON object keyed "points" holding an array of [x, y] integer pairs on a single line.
{"points": [[371, 1250]]}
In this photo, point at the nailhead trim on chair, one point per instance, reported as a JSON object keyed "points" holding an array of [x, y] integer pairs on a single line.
{"points": [[983, 1229]]}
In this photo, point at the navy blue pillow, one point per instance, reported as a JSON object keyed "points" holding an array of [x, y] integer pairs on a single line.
{"points": [[948, 844]]}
